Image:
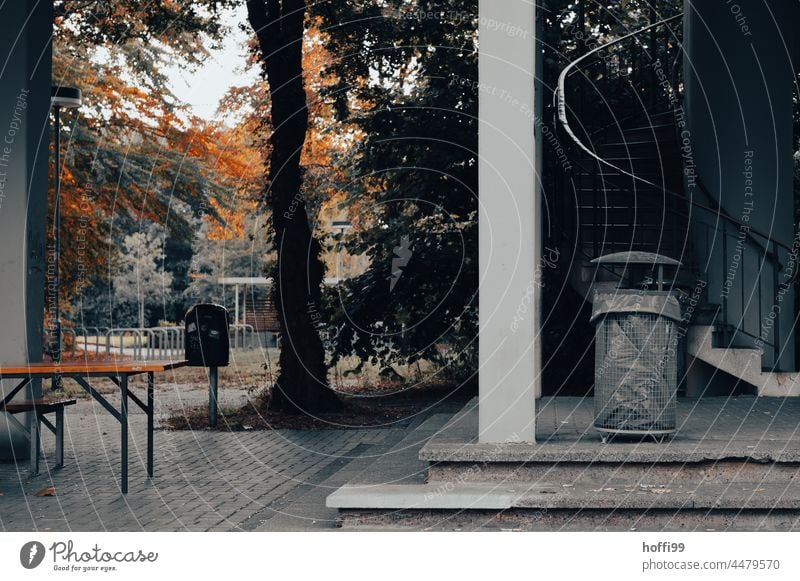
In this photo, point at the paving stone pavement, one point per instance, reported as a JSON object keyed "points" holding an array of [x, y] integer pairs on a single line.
{"points": [[274, 480], [711, 419], [204, 480]]}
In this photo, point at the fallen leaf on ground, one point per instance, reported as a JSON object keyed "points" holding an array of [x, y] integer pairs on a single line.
{"points": [[45, 491]]}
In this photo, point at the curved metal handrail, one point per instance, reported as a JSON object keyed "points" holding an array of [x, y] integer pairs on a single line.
{"points": [[561, 106], [561, 98]]}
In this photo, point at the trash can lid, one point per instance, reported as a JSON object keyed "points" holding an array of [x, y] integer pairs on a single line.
{"points": [[662, 303], [636, 257]]}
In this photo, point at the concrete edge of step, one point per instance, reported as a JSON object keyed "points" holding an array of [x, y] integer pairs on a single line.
{"points": [[496, 496]]}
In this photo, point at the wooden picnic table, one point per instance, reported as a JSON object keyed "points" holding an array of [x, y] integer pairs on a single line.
{"points": [[81, 372]]}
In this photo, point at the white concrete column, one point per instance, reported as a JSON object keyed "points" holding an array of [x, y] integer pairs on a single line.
{"points": [[509, 223]]}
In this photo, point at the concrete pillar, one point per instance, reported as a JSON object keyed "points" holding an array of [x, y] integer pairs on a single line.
{"points": [[25, 78], [509, 223], [738, 142]]}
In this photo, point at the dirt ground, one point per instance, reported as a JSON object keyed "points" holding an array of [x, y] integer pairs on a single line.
{"points": [[368, 400]]}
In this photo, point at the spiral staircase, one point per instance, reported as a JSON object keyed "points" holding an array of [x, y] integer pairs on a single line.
{"points": [[620, 110]]}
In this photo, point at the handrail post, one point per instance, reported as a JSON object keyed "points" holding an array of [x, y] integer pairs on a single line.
{"points": [[776, 339], [722, 279]]}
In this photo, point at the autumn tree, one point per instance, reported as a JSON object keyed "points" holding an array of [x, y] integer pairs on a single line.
{"points": [[301, 385], [135, 155]]}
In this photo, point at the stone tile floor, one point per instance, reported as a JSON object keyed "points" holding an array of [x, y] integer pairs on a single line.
{"points": [[204, 480], [705, 419], [278, 480]]}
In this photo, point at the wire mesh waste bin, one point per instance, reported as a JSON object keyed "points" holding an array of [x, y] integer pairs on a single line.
{"points": [[636, 347]]}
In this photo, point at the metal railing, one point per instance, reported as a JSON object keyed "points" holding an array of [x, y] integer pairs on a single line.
{"points": [[627, 68], [149, 344]]}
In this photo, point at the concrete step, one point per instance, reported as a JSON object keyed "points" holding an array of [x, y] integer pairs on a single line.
{"points": [[616, 496], [742, 363], [585, 520], [569, 481], [621, 473]]}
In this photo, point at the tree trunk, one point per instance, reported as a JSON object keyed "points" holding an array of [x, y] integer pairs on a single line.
{"points": [[301, 385]]}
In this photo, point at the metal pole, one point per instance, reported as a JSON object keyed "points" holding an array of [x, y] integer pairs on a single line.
{"points": [[236, 303], [236, 316], [244, 306], [150, 417], [123, 420], [212, 396], [56, 346]]}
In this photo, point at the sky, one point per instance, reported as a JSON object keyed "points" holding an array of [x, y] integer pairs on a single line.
{"points": [[203, 89]]}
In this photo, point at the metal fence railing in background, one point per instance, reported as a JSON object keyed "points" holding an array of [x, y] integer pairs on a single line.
{"points": [[242, 337], [149, 344]]}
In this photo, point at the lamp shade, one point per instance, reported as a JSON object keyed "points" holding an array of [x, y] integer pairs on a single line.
{"points": [[67, 97]]}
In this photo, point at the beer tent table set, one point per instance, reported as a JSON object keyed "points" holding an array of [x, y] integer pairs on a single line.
{"points": [[207, 345]]}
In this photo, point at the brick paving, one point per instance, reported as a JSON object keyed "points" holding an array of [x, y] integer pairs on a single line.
{"points": [[204, 480]]}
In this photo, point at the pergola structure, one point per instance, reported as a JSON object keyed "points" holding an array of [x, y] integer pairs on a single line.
{"points": [[237, 282]]}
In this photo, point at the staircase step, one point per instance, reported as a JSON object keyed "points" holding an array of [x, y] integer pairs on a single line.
{"points": [[618, 496], [609, 473], [662, 148], [662, 136], [688, 482], [641, 215], [630, 200], [657, 128], [705, 314], [660, 119], [742, 363], [615, 180]]}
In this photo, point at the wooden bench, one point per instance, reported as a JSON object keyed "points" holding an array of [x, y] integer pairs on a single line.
{"points": [[41, 408]]}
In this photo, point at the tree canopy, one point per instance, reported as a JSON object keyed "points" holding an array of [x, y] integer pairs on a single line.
{"points": [[406, 76], [135, 155]]}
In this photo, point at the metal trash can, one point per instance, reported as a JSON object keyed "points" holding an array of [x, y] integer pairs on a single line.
{"points": [[636, 355], [207, 339]]}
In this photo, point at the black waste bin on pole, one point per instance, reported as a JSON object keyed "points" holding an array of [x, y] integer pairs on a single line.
{"points": [[208, 345]]}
